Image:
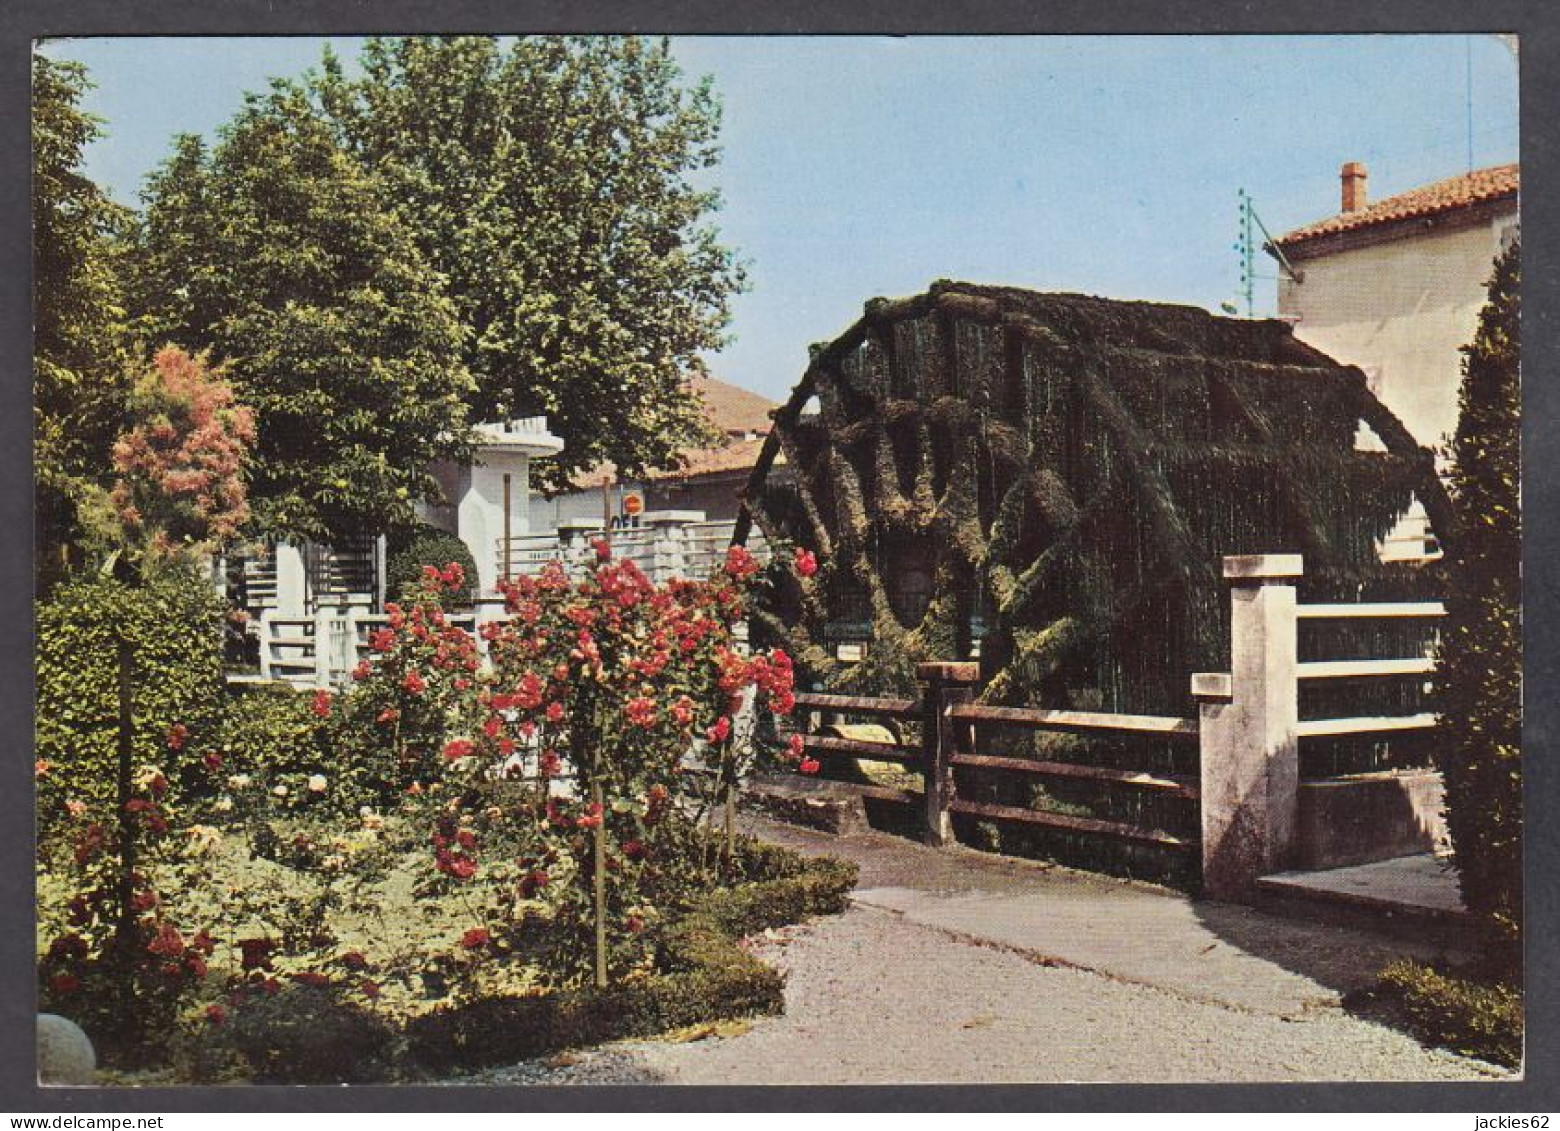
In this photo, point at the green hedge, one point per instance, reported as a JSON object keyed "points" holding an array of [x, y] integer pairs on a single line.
{"points": [[706, 976], [174, 627], [428, 546], [1474, 1018]]}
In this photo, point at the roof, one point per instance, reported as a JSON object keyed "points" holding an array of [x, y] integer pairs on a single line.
{"points": [[1463, 191], [733, 410]]}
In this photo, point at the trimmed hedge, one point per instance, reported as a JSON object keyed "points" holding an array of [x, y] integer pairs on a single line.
{"points": [[1474, 1018], [706, 976], [428, 546], [174, 626]]}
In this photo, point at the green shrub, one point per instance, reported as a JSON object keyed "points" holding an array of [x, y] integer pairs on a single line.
{"points": [[307, 1035], [428, 546], [174, 628], [1479, 679], [1473, 1018], [705, 975]]}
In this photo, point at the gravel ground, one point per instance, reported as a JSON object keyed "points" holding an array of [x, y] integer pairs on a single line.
{"points": [[872, 998]]}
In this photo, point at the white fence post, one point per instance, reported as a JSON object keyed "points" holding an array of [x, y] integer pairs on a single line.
{"points": [[322, 647], [1248, 730], [266, 632]]}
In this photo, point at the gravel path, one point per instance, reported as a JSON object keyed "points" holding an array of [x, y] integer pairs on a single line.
{"points": [[874, 998]]}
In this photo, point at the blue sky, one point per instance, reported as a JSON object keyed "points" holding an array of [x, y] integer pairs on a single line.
{"points": [[863, 166]]}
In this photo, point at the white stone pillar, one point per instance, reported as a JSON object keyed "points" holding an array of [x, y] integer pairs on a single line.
{"points": [[1248, 720], [292, 586]]}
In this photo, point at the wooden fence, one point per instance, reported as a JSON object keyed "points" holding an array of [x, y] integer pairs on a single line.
{"points": [[1247, 733]]}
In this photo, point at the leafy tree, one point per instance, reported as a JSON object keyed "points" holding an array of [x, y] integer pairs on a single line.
{"points": [[551, 182], [1480, 671], [78, 313], [277, 252]]}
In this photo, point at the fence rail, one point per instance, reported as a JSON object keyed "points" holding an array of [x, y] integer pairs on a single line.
{"points": [[1247, 730]]}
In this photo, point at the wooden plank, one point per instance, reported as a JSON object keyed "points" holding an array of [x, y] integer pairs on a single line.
{"points": [[1072, 824], [1179, 786], [1391, 724], [892, 708], [1356, 669], [1390, 609], [1163, 726], [855, 748]]}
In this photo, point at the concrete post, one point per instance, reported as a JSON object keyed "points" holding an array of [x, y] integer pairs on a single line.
{"points": [[324, 646], [292, 586], [1248, 721], [943, 685], [266, 632]]}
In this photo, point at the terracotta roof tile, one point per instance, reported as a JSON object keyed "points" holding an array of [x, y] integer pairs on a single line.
{"points": [[732, 410], [1428, 200]]}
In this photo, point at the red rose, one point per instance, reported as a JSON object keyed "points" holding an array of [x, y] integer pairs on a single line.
{"points": [[370, 988], [321, 705], [806, 563], [213, 760], [475, 938], [215, 1014], [354, 960], [414, 684], [167, 941], [177, 734], [809, 766], [65, 983], [311, 978], [458, 748]]}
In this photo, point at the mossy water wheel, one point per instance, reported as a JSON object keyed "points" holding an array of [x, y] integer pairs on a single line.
{"points": [[1058, 477]]}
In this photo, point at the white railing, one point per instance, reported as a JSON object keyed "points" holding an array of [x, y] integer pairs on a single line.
{"points": [[662, 551]]}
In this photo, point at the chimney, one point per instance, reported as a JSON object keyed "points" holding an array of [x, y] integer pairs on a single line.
{"points": [[1354, 179]]}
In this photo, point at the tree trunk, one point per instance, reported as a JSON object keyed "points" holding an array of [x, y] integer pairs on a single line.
{"points": [[601, 884]]}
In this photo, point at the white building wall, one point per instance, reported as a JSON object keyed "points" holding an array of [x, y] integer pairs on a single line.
{"points": [[1401, 310]]}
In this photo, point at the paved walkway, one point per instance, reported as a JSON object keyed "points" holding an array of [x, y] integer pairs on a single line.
{"points": [[956, 966]]}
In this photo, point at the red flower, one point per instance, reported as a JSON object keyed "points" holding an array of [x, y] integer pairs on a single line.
{"points": [[370, 988], [475, 938], [167, 941], [414, 684], [311, 978], [554, 712], [382, 640], [458, 748], [321, 705], [720, 731], [603, 549], [354, 960], [363, 670], [794, 748], [256, 953], [493, 725], [740, 563], [592, 817], [177, 734], [641, 711], [806, 563], [809, 766], [65, 983], [216, 1014], [213, 760]]}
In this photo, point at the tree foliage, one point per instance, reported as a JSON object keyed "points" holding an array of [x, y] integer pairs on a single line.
{"points": [[551, 182], [278, 253], [78, 312], [1480, 672]]}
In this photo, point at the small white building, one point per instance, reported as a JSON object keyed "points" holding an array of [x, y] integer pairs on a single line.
{"points": [[1395, 287], [486, 501]]}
